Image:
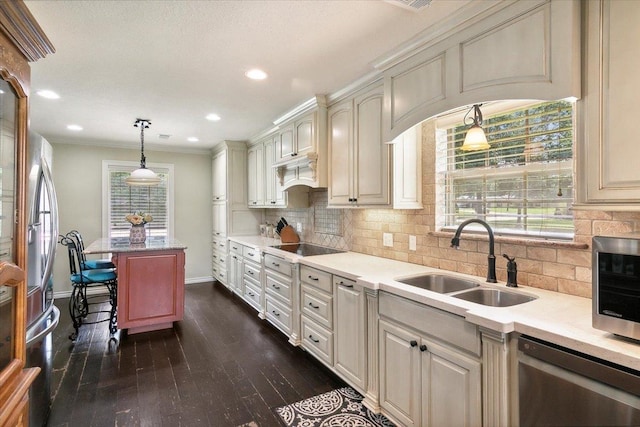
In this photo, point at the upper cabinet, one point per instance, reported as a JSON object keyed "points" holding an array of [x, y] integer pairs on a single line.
{"points": [[219, 177], [256, 175], [607, 179], [359, 170], [301, 145], [510, 50]]}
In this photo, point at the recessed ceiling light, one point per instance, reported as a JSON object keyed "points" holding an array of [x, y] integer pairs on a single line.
{"points": [[213, 117], [49, 94], [256, 74], [74, 127], [192, 139]]}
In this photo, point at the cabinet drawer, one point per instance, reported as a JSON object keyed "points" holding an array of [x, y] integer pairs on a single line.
{"points": [[277, 264], [436, 323], [317, 340], [219, 258], [252, 295], [220, 244], [317, 305], [235, 247], [277, 314], [316, 278], [341, 281], [251, 253], [251, 271], [279, 287]]}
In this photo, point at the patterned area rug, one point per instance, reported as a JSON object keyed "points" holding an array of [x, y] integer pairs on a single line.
{"points": [[341, 407]]}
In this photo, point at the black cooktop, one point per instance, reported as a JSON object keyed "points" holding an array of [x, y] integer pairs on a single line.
{"points": [[305, 249]]}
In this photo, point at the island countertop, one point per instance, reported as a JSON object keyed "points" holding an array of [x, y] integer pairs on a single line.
{"points": [[121, 244]]}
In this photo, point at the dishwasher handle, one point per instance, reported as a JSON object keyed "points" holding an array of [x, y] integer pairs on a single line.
{"points": [[606, 372]]}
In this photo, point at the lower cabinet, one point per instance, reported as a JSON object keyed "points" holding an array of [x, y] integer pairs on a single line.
{"points": [[235, 272], [426, 381], [350, 352], [279, 309]]}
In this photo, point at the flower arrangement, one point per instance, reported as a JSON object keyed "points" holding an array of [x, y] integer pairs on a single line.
{"points": [[139, 218]]}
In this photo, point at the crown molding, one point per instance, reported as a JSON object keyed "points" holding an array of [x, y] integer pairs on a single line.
{"points": [[17, 22], [129, 146], [305, 107]]}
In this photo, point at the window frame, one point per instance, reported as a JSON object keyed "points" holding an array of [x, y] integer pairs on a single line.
{"points": [[446, 172], [129, 166]]}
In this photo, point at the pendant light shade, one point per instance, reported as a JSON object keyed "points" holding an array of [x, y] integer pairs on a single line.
{"points": [[475, 138], [142, 177]]}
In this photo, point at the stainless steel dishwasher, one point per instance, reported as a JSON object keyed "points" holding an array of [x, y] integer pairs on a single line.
{"points": [[562, 387]]}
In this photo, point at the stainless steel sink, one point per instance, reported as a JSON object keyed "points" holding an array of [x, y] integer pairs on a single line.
{"points": [[440, 283], [494, 297]]}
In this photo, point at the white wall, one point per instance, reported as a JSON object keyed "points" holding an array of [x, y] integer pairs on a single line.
{"points": [[77, 176]]}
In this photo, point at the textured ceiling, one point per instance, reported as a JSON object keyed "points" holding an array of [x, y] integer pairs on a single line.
{"points": [[174, 62]]}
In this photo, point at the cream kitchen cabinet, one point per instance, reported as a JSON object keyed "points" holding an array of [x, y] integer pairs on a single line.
{"points": [[298, 138], [359, 160], [607, 179], [407, 169], [256, 175], [235, 272], [517, 50], [430, 369], [350, 329], [316, 308], [281, 295], [275, 195], [230, 214]]}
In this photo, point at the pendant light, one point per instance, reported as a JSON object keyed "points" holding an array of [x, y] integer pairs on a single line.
{"points": [[475, 138], [142, 177]]}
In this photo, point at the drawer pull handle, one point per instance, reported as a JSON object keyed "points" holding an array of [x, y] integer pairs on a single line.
{"points": [[276, 313], [346, 285], [251, 294], [251, 254], [423, 347], [313, 278], [275, 264], [413, 343], [235, 257], [235, 247], [276, 287], [314, 306], [313, 339], [250, 272]]}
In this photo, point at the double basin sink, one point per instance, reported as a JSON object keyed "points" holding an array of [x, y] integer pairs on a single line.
{"points": [[467, 290]]}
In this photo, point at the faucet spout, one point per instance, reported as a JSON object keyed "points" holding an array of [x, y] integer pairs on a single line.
{"points": [[491, 258]]}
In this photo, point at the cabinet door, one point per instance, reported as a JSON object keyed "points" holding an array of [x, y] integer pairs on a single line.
{"points": [[235, 272], [340, 120], [400, 375], [407, 169], [451, 387], [220, 219], [255, 174], [371, 154], [305, 135], [219, 176], [350, 331], [612, 88], [285, 143], [274, 194]]}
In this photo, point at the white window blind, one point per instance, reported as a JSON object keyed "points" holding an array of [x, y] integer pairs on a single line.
{"points": [[523, 184], [124, 200]]}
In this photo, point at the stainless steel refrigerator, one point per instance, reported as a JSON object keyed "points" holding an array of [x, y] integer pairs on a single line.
{"points": [[42, 315]]}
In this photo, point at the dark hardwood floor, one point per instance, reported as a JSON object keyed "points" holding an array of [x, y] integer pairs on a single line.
{"points": [[220, 366]]}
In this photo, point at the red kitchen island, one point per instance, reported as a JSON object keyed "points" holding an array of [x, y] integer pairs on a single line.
{"points": [[150, 281]]}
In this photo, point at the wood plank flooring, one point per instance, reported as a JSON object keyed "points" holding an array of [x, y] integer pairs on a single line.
{"points": [[220, 366]]}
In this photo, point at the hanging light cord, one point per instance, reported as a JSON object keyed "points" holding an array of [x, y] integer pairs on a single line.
{"points": [[142, 124]]}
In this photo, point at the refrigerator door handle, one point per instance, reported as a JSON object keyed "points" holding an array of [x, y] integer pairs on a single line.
{"points": [[44, 317], [53, 203]]}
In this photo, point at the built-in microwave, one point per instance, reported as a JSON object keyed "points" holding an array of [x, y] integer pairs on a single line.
{"points": [[616, 284]]}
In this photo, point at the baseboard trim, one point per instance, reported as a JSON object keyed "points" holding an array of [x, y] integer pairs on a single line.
{"points": [[102, 291]]}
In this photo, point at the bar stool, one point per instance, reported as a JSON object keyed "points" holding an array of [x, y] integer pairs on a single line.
{"points": [[88, 264], [82, 279]]}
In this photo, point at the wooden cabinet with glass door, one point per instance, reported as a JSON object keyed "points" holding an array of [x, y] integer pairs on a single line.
{"points": [[21, 41]]}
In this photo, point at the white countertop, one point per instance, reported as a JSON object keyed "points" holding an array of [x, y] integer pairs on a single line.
{"points": [[555, 317], [121, 244]]}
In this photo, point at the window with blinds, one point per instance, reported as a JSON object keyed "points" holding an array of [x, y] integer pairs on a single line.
{"points": [[523, 184], [124, 200]]}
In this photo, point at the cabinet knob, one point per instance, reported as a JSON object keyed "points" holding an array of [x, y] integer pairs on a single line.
{"points": [[413, 343], [294, 154], [273, 202], [423, 347]]}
